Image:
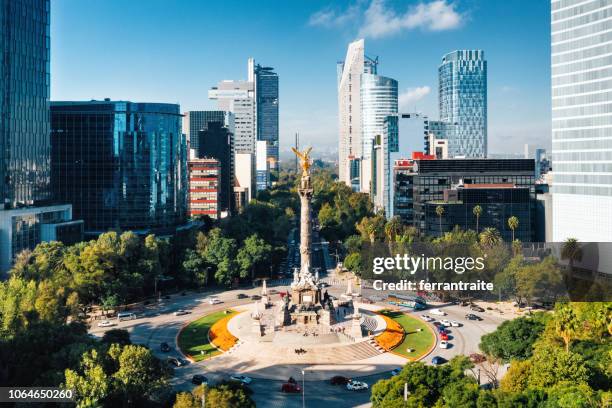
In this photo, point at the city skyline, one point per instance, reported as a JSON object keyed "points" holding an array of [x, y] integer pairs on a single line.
{"points": [[163, 65]]}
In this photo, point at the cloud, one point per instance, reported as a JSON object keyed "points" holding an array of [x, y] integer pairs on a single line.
{"points": [[437, 15], [332, 19], [377, 20], [412, 95]]}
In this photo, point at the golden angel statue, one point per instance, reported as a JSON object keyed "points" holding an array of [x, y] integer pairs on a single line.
{"points": [[305, 162]]}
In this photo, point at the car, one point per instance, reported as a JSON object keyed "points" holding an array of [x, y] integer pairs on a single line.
{"points": [[339, 380], [472, 316], [106, 323], [126, 316], [181, 312], [426, 318], [199, 379], [443, 336], [443, 344], [437, 360], [291, 388], [241, 296], [441, 329], [445, 322], [437, 312], [354, 385], [272, 291], [165, 347], [241, 379], [476, 308], [255, 297], [395, 371], [214, 301], [325, 285], [455, 323]]}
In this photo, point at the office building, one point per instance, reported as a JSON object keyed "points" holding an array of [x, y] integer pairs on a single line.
{"points": [[204, 184], [403, 187], [365, 99], [433, 177], [498, 202], [262, 166], [28, 215], [581, 67], [438, 130], [195, 121], [217, 142], [119, 164], [463, 101], [266, 91], [245, 176]]}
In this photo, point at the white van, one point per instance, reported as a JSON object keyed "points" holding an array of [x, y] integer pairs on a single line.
{"points": [[126, 316]]}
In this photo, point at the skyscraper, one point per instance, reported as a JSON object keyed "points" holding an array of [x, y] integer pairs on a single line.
{"points": [[26, 216], [463, 101], [119, 164], [581, 66], [365, 99], [24, 103], [266, 90], [194, 121]]}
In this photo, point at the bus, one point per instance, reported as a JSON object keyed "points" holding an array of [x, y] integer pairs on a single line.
{"points": [[409, 301]]}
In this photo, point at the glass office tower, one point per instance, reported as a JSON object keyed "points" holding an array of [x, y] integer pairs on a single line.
{"points": [[197, 121], [581, 35], [463, 101], [24, 103], [266, 90], [119, 164]]}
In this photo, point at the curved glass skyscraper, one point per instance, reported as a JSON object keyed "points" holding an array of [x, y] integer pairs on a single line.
{"points": [[463, 102], [119, 164]]}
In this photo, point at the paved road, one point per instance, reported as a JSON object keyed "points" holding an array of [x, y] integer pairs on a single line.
{"points": [[161, 325]]}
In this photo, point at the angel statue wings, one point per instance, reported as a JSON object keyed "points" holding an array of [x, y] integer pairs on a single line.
{"points": [[305, 162]]}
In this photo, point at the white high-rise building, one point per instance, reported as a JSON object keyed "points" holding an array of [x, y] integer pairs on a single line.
{"points": [[581, 68], [365, 99]]}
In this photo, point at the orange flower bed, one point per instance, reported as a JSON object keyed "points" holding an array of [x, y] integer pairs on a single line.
{"points": [[220, 336], [392, 336]]}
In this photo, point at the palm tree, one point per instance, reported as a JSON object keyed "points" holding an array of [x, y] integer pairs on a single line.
{"points": [[513, 223], [440, 212], [490, 237], [571, 251], [517, 247], [477, 211], [392, 228]]}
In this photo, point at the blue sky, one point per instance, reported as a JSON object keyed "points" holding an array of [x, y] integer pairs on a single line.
{"points": [[174, 51]]}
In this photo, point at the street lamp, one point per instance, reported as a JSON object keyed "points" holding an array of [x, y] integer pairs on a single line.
{"points": [[303, 391]]}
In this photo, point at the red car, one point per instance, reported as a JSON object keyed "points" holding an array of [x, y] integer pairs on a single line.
{"points": [[339, 380], [291, 388], [443, 336]]}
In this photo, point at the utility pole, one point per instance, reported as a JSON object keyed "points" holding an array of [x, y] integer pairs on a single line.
{"points": [[303, 391]]}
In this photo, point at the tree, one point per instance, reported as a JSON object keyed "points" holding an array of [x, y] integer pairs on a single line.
{"points": [[517, 377], [353, 263], [439, 213], [109, 302], [571, 251], [196, 267], [392, 228], [477, 211], [513, 223], [513, 339], [490, 237], [118, 336], [552, 365], [221, 251], [139, 372], [92, 385], [567, 323], [254, 252]]}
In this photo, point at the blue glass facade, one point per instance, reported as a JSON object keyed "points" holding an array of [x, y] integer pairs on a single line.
{"points": [[24, 103], [463, 101], [120, 164], [266, 89]]}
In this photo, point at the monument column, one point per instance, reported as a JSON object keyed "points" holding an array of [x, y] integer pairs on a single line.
{"points": [[305, 192]]}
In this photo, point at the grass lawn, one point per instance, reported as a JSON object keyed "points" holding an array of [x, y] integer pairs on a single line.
{"points": [[193, 339], [421, 341]]}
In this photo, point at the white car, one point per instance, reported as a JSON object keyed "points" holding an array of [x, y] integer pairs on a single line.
{"points": [[181, 312], [426, 318], [241, 378], [106, 323], [354, 385], [445, 322], [443, 344], [214, 301], [437, 312], [455, 323]]}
